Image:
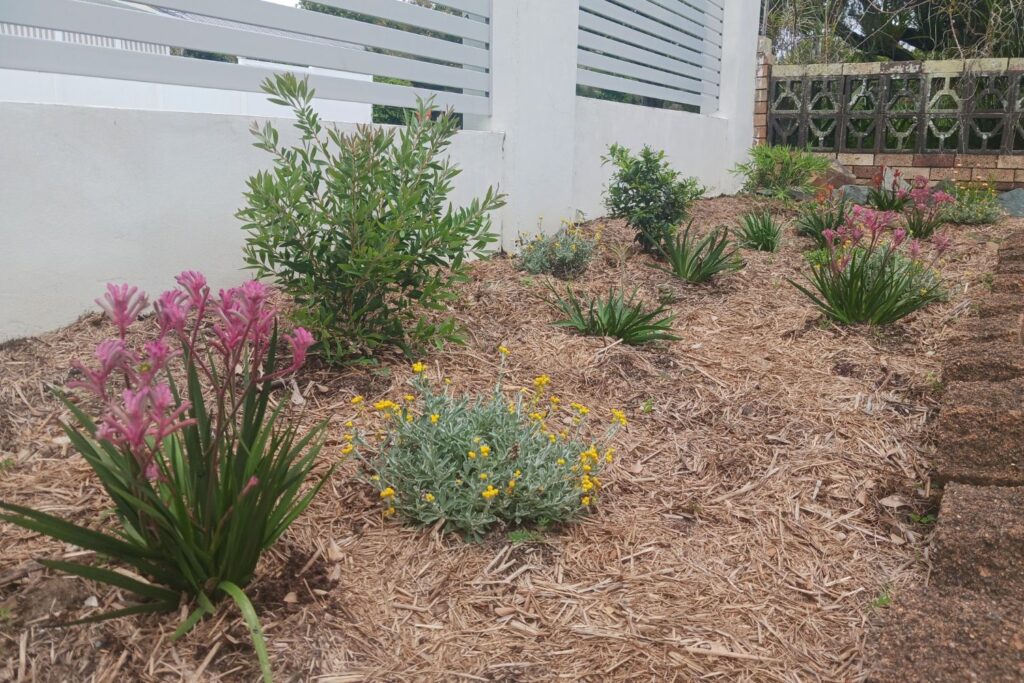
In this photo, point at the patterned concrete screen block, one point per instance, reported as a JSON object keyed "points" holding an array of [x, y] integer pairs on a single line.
{"points": [[980, 433], [979, 540], [949, 636], [933, 108], [1013, 201]]}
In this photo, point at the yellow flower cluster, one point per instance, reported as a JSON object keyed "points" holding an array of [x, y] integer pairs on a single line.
{"points": [[385, 405], [489, 492], [503, 350], [418, 368], [619, 416], [579, 408], [541, 381]]}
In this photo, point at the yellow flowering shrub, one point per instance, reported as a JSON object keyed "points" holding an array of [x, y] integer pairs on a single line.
{"points": [[476, 462]]}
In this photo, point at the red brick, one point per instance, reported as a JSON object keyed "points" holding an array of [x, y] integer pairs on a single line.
{"points": [[1011, 161], [976, 160], [935, 160], [894, 159], [1018, 175], [761, 107], [864, 172], [950, 174], [1004, 175]]}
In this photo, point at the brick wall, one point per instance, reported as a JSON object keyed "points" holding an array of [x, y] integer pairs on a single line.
{"points": [[765, 59], [1004, 171]]}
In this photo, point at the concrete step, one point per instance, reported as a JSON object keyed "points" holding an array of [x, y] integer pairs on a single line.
{"points": [[950, 636], [993, 361], [980, 433], [979, 541]]}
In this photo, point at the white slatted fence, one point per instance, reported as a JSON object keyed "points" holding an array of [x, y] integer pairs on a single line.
{"points": [[668, 50], [443, 51]]}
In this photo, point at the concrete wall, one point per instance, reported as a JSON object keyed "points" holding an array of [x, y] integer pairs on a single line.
{"points": [[91, 195], [48, 88], [693, 144]]}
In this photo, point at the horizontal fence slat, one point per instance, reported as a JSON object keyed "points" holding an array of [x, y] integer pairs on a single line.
{"points": [[30, 54], [694, 12], [624, 85], [415, 15], [625, 34], [71, 15], [656, 11], [321, 25], [619, 67], [614, 48], [641, 23], [480, 8]]}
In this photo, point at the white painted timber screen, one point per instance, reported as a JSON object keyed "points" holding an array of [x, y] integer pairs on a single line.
{"points": [[657, 51], [441, 51]]}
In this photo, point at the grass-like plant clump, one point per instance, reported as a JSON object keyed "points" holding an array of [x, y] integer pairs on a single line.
{"points": [[358, 228], [202, 485], [976, 204], [700, 260], [780, 171], [566, 254], [649, 194], [827, 212], [926, 209], [758, 230], [615, 315], [471, 463], [892, 197], [865, 276]]}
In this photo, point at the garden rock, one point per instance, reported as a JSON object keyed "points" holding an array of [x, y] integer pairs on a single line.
{"points": [[979, 541], [981, 433], [836, 175], [1013, 202], [858, 194]]}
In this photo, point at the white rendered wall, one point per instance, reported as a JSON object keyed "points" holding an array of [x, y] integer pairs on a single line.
{"points": [[47, 88], [91, 195], [694, 145]]}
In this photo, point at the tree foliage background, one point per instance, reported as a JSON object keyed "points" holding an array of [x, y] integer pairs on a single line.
{"points": [[810, 31]]}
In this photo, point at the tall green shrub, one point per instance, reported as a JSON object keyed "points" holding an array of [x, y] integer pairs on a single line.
{"points": [[649, 194], [358, 229]]}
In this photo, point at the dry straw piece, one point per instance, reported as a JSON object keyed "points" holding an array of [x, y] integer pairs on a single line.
{"points": [[756, 511]]}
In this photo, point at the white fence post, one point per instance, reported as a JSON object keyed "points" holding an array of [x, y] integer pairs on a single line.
{"points": [[533, 102], [739, 67]]}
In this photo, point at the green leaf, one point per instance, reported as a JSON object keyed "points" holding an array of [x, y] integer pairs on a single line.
{"points": [[253, 622]]}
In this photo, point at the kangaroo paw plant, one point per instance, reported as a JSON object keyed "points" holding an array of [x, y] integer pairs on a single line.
{"points": [[201, 483], [865, 276]]}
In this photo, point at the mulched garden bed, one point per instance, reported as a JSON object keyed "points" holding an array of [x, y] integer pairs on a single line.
{"points": [[756, 521]]}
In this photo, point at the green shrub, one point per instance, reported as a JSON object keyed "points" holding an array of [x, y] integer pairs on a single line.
{"points": [[758, 230], [828, 212], [862, 278], [200, 486], [698, 261], [648, 194], [615, 316], [976, 204], [780, 171], [357, 227], [566, 254], [471, 463]]}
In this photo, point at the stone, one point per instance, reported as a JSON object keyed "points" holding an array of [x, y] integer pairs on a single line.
{"points": [[979, 540], [836, 175], [980, 434], [858, 194], [1013, 202]]}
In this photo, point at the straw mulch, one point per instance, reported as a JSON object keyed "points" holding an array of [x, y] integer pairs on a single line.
{"points": [[751, 529]]}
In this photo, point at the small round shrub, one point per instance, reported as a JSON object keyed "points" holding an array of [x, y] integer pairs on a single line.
{"points": [[565, 255], [473, 463]]}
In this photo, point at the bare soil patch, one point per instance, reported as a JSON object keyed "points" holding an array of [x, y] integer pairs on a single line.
{"points": [[756, 514]]}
